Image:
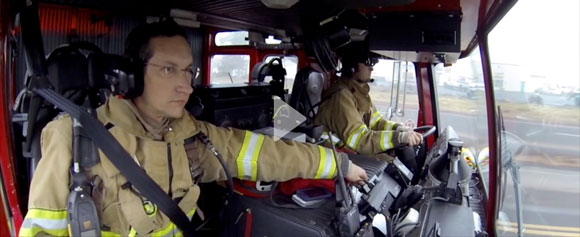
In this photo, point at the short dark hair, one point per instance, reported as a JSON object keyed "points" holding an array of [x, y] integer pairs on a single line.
{"points": [[137, 44]]}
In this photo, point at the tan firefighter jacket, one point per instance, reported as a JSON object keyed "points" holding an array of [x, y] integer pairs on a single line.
{"points": [[350, 115], [122, 210]]}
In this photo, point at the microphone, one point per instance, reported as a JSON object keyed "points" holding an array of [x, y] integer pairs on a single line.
{"points": [[369, 81]]}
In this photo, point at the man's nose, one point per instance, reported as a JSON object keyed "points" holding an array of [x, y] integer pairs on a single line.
{"points": [[187, 89], [185, 85]]}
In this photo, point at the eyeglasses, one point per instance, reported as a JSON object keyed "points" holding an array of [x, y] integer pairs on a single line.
{"points": [[370, 62], [171, 71]]}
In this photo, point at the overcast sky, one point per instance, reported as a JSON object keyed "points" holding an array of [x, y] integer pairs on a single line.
{"points": [[541, 36]]}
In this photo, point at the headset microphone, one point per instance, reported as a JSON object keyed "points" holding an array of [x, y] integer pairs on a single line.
{"points": [[369, 81]]}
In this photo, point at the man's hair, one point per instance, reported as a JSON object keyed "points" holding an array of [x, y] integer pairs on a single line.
{"points": [[137, 44]]}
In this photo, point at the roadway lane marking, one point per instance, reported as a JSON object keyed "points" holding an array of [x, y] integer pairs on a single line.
{"points": [[567, 134], [539, 232], [533, 133], [545, 227]]}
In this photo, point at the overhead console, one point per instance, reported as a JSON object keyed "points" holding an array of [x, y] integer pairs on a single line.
{"points": [[416, 36]]}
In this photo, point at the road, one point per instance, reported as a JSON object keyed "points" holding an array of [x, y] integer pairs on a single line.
{"points": [[550, 200]]}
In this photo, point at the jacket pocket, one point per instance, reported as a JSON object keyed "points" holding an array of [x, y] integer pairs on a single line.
{"points": [[134, 210], [189, 201], [113, 219]]}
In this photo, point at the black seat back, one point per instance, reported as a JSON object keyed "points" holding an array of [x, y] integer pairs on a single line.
{"points": [[306, 92], [306, 95], [67, 73]]}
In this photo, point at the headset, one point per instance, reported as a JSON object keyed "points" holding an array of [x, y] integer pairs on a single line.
{"points": [[124, 76], [128, 81]]}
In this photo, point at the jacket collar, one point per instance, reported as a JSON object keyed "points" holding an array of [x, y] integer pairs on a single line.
{"points": [[362, 89], [119, 113]]}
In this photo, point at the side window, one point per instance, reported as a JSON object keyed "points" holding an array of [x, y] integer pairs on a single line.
{"points": [[290, 63], [394, 91], [539, 98], [229, 68], [232, 38]]}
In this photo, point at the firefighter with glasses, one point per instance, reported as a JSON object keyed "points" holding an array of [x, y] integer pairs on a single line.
{"points": [[153, 127]]}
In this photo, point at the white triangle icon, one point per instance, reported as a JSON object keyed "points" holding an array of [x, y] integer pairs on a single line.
{"points": [[285, 118]]}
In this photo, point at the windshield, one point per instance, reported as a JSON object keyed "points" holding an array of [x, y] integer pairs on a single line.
{"points": [[395, 89], [536, 82], [462, 105]]}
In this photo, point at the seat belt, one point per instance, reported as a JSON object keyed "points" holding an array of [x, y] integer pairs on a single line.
{"points": [[121, 160]]}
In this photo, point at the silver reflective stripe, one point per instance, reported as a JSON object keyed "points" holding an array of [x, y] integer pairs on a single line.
{"points": [[389, 125], [386, 140], [354, 138], [328, 163], [46, 224], [248, 156]]}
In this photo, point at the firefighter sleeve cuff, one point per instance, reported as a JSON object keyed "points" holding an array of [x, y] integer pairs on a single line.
{"points": [[345, 163], [397, 125]]}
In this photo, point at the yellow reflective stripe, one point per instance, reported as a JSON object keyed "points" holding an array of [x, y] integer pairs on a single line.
{"points": [[190, 213], [46, 214], [389, 126], [109, 234], [386, 140], [375, 118], [132, 232], [35, 230], [50, 221], [170, 230], [354, 138], [327, 164], [247, 160], [243, 151]]}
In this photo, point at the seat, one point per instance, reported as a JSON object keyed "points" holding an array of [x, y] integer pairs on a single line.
{"points": [[67, 74], [306, 95], [273, 68]]}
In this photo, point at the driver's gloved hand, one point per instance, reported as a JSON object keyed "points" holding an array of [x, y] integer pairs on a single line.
{"points": [[403, 128], [411, 138]]}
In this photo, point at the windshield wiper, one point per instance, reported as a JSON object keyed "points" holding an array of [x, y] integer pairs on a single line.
{"points": [[510, 145]]}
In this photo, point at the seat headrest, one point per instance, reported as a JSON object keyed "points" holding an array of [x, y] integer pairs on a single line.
{"points": [[67, 69], [101, 65], [272, 68]]}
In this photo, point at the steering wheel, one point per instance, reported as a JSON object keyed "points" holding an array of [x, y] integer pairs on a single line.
{"points": [[427, 130], [414, 157]]}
